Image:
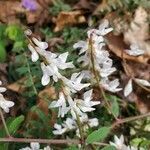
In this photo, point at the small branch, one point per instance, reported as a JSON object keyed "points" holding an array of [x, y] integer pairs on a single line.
{"points": [[44, 141], [4, 123], [125, 120]]}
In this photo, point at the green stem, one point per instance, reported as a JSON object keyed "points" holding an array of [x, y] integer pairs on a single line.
{"points": [[30, 75], [4, 123], [81, 132]]}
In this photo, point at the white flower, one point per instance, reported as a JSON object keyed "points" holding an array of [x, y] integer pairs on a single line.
{"points": [[104, 28], [74, 109], [106, 68], [59, 129], [82, 45], [128, 88], [61, 62], [74, 84], [35, 146], [119, 144], [2, 89], [48, 71], [86, 105], [79, 106], [93, 122], [28, 32], [52, 69], [40, 44], [5, 104], [34, 54], [134, 50], [47, 148], [61, 104], [110, 85], [69, 124], [143, 82]]}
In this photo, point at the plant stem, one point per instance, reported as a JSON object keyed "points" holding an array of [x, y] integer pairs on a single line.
{"points": [[44, 141], [4, 123], [80, 130], [30, 75], [125, 120], [108, 107]]}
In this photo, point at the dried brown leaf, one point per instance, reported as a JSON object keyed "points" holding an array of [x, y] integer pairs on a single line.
{"points": [[68, 19]]}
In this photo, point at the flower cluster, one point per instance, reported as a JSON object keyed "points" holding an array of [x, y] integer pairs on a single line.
{"points": [[5, 104], [120, 145], [35, 146], [51, 66], [70, 124], [93, 55]]}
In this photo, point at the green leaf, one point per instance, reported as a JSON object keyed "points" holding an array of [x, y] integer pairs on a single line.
{"points": [[2, 52], [115, 106], [109, 147], [14, 32], [18, 46], [98, 135], [15, 124]]}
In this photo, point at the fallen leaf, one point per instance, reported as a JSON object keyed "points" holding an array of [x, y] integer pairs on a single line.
{"points": [[17, 86], [48, 93], [117, 46], [138, 31], [68, 19]]}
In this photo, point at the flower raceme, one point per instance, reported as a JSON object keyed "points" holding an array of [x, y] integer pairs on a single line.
{"points": [[54, 62], [70, 124], [93, 55], [5, 104]]}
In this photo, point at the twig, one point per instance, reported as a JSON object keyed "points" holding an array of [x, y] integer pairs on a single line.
{"points": [[44, 141], [125, 120]]}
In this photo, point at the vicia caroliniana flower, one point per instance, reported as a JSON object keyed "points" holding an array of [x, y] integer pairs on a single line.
{"points": [[5, 104], [35, 146], [120, 145], [94, 56], [134, 50]]}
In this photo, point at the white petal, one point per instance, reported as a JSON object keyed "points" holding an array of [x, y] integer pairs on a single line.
{"points": [[88, 95], [143, 82], [63, 57], [2, 89], [128, 88], [34, 55], [40, 44], [35, 145], [45, 80], [28, 32]]}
